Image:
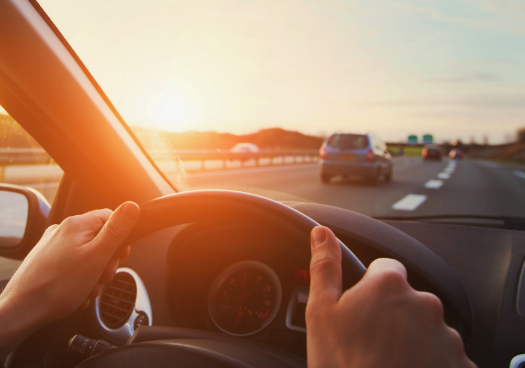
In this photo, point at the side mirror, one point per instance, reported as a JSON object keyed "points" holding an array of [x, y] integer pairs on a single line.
{"points": [[23, 220]]}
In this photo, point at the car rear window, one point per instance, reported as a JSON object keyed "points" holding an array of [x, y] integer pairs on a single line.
{"points": [[348, 141]]}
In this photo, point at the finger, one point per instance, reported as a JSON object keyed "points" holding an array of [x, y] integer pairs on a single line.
{"points": [[383, 266], [123, 253], [89, 224], [325, 267], [117, 228], [85, 304], [386, 276], [109, 271], [103, 215], [96, 219], [95, 292], [51, 228]]}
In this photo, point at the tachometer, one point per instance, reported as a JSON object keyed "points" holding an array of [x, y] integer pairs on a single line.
{"points": [[244, 298]]}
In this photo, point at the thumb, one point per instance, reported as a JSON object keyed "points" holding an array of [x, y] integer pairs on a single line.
{"points": [[325, 267], [117, 227]]}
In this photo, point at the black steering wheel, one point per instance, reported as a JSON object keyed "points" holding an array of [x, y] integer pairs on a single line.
{"points": [[211, 206]]}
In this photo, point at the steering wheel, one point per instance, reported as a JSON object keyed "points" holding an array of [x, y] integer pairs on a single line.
{"points": [[214, 206]]}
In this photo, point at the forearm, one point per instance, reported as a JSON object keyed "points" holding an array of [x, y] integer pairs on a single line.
{"points": [[18, 322]]}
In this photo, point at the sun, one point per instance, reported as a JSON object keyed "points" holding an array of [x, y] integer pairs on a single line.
{"points": [[170, 109]]}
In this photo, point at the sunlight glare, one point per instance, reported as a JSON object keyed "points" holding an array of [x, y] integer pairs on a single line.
{"points": [[170, 109]]}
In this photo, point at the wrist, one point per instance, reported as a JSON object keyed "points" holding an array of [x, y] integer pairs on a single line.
{"points": [[19, 320]]}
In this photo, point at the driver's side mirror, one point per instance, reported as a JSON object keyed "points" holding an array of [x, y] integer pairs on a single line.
{"points": [[23, 219]]}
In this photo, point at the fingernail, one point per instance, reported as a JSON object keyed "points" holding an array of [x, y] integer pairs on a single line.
{"points": [[130, 210], [318, 236]]}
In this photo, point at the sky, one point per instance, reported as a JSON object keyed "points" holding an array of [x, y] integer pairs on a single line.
{"points": [[451, 68]]}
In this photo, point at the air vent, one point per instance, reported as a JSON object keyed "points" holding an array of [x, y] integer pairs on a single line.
{"points": [[117, 300]]}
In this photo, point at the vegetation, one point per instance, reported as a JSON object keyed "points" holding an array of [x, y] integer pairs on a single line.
{"points": [[520, 135], [407, 150], [12, 135], [267, 139]]}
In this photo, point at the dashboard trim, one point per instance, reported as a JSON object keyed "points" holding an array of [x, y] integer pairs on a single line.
{"points": [[299, 295], [142, 304]]}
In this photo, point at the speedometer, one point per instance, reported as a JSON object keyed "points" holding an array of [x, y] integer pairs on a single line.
{"points": [[244, 298]]}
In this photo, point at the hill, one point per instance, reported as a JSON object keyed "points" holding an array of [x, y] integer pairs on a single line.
{"points": [[13, 136], [267, 139]]}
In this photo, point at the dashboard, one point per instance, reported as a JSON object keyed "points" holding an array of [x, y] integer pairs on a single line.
{"points": [[241, 280], [250, 282]]}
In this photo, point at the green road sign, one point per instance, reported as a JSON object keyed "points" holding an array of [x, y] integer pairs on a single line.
{"points": [[412, 139], [428, 139]]}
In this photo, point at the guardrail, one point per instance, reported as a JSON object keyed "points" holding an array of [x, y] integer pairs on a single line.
{"points": [[25, 156]]}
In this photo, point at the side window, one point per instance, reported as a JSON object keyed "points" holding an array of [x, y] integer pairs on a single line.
{"points": [[23, 161]]}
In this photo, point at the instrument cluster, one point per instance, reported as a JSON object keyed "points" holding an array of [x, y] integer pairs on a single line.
{"points": [[240, 281]]}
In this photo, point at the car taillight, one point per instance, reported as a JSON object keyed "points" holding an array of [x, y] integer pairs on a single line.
{"points": [[370, 156], [322, 152]]}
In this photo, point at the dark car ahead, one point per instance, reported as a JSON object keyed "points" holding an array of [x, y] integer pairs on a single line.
{"points": [[431, 152], [362, 155], [456, 154]]}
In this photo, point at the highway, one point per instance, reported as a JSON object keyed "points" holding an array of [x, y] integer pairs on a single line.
{"points": [[418, 188]]}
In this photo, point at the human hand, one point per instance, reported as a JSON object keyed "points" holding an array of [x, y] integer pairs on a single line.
{"points": [[380, 322], [66, 269]]}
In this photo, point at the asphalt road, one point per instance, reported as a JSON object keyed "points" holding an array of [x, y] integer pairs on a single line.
{"points": [[418, 187], [447, 187]]}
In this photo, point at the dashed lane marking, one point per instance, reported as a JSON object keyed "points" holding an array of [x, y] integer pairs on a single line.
{"points": [[434, 184], [444, 175], [410, 202], [519, 173]]}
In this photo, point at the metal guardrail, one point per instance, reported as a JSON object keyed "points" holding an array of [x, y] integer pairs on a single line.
{"points": [[28, 156], [24, 156]]}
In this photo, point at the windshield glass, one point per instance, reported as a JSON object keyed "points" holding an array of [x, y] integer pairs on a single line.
{"points": [[348, 141], [194, 79]]}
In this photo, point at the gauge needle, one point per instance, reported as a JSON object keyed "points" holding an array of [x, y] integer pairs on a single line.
{"points": [[239, 314], [266, 314]]}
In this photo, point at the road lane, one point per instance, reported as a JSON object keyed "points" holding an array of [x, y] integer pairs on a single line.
{"points": [[449, 187], [476, 188], [410, 174]]}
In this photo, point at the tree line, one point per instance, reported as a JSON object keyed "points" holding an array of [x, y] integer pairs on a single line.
{"points": [[12, 135]]}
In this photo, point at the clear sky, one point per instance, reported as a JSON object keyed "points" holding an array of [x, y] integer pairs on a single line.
{"points": [[453, 68]]}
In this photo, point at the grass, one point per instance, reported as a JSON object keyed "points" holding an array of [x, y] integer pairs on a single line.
{"points": [[408, 151]]}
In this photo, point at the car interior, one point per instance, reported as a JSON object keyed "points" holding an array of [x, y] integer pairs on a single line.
{"points": [[170, 300]]}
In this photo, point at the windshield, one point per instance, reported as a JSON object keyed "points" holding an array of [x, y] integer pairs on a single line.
{"points": [[348, 141], [194, 79]]}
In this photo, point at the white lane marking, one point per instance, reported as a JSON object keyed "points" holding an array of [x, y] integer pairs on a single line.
{"points": [[444, 175], [410, 202], [434, 184], [249, 171], [519, 173], [448, 170]]}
